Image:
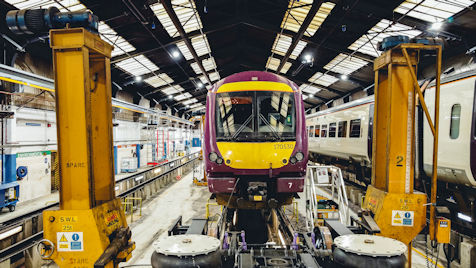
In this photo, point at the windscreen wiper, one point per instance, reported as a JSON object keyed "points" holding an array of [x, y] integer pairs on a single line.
{"points": [[273, 130], [242, 127]]}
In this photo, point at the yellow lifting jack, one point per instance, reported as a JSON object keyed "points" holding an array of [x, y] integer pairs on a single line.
{"points": [[398, 210], [90, 228]]}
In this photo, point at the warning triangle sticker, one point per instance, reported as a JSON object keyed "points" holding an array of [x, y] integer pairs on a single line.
{"points": [[63, 239], [397, 216]]}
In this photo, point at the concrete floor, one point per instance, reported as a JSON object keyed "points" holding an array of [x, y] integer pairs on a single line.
{"points": [[182, 198]]}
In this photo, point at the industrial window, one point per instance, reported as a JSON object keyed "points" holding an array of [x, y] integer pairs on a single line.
{"points": [[354, 128], [342, 129], [323, 131], [332, 130], [311, 130], [455, 118], [317, 130]]}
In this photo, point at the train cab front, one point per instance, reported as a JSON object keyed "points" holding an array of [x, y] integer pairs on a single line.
{"points": [[255, 141]]}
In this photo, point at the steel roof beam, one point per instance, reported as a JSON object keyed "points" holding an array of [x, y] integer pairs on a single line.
{"points": [[170, 11]]}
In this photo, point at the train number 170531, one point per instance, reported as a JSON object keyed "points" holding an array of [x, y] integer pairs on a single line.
{"points": [[283, 146]]}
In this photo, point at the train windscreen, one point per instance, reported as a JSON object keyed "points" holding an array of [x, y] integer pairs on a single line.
{"points": [[255, 116]]}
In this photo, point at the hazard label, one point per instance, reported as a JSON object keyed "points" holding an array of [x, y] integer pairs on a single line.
{"points": [[70, 241], [402, 218]]}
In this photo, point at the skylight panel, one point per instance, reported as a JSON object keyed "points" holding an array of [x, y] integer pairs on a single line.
{"points": [[160, 80], [432, 10], [137, 65], [172, 90], [365, 46], [190, 101], [63, 6], [208, 64], [203, 79], [273, 64], [184, 49], [214, 76], [195, 105], [297, 13], [345, 65], [323, 79], [310, 88], [321, 15], [200, 44], [183, 96], [282, 44], [184, 10], [120, 44]]}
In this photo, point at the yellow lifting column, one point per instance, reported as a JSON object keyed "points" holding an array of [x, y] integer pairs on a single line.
{"points": [[90, 228], [399, 211]]}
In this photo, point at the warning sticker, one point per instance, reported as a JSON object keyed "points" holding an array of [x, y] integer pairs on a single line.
{"points": [[70, 241], [402, 218]]}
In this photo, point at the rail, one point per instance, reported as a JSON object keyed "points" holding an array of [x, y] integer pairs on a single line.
{"points": [[27, 241], [325, 177]]}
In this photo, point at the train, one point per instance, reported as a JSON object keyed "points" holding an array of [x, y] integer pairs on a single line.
{"points": [[255, 142], [342, 135]]}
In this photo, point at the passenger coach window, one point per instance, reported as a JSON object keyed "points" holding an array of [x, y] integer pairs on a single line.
{"points": [[332, 130], [342, 129], [455, 118], [317, 129], [354, 128], [311, 130], [323, 131]]}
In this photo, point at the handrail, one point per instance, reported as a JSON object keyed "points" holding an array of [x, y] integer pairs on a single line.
{"points": [[338, 193]]}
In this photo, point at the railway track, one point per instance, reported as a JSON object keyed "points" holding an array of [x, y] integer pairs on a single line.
{"points": [[27, 229]]}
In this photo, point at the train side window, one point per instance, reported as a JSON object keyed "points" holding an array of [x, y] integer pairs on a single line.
{"points": [[354, 128], [342, 129], [311, 130], [455, 119], [323, 131], [332, 130], [317, 130]]}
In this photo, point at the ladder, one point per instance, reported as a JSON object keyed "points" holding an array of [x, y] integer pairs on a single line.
{"points": [[325, 180]]}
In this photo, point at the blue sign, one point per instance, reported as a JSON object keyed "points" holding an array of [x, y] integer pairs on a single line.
{"points": [[75, 245], [75, 237], [408, 214]]}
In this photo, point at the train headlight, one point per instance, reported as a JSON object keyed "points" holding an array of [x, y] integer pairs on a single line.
{"points": [[213, 157], [219, 161], [299, 156], [292, 160]]}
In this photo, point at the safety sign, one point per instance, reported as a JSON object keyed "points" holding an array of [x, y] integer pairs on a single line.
{"points": [[70, 241], [402, 218]]}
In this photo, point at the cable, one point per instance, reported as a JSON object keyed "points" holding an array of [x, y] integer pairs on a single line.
{"points": [[229, 199]]}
